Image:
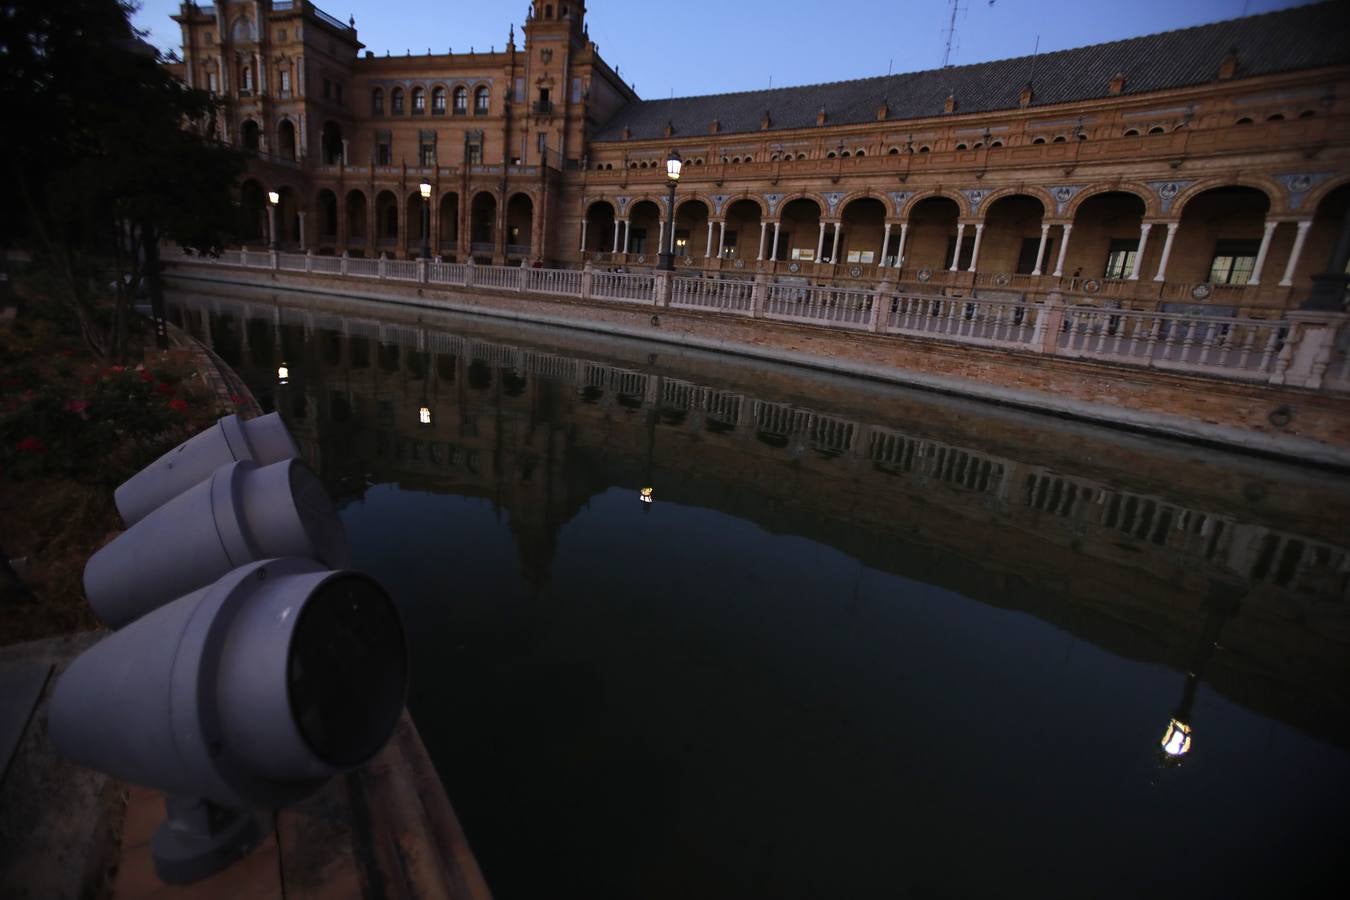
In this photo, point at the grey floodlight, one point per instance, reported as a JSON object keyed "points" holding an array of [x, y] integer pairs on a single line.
{"points": [[263, 440], [238, 514], [243, 695]]}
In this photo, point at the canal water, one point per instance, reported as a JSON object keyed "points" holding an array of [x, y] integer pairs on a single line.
{"points": [[692, 626]]}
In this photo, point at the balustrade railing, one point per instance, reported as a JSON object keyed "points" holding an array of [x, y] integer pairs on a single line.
{"points": [[708, 293], [1239, 348], [620, 286], [969, 320], [1251, 349], [837, 306]]}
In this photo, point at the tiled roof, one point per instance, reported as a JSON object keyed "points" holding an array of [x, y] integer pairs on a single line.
{"points": [[1300, 38]]}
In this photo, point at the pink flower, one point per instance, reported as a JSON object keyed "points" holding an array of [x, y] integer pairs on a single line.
{"points": [[146, 376], [31, 444], [77, 406], [167, 390], [178, 404]]}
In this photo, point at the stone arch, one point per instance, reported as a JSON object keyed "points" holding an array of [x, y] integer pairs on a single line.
{"points": [[1012, 220], [520, 207], [1319, 193], [742, 216], [645, 215], [956, 197], [1149, 199], [287, 143], [356, 214], [412, 217], [1034, 191], [481, 92], [682, 199], [1274, 194], [386, 216], [250, 135], [439, 98], [864, 194], [447, 208], [862, 220], [815, 198], [483, 221], [326, 205], [600, 216]]}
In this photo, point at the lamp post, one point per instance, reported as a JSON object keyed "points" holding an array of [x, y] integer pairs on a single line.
{"points": [[425, 188], [673, 166], [273, 198]]}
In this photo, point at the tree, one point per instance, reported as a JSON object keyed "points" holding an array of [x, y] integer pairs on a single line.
{"points": [[112, 155]]}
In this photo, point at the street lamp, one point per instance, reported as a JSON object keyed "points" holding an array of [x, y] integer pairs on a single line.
{"points": [[667, 253], [425, 188], [273, 198]]}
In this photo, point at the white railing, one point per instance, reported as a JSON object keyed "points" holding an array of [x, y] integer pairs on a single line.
{"points": [[447, 273], [709, 293], [291, 262], [969, 320], [553, 281], [226, 258], [401, 269], [831, 306], [1238, 348], [326, 265], [507, 277], [364, 268], [255, 259], [617, 286]]}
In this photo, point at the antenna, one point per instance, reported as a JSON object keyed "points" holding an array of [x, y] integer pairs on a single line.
{"points": [[951, 32], [1035, 52]]}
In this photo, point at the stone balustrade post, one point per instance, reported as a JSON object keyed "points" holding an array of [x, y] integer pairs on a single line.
{"points": [[342, 265], [273, 260], [663, 285], [586, 278], [759, 295], [1045, 339], [520, 276], [1306, 354], [380, 265], [421, 270], [469, 268], [309, 261], [881, 308]]}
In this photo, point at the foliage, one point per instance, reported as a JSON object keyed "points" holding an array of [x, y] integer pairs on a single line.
{"points": [[105, 165]]}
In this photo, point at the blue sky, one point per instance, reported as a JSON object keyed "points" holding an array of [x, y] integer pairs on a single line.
{"points": [[716, 46]]}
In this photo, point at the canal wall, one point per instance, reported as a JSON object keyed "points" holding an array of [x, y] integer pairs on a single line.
{"points": [[1310, 424]]}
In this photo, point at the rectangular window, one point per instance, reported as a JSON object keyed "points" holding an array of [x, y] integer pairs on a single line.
{"points": [[576, 90], [377, 102], [397, 102], [281, 35], [383, 149], [428, 155], [480, 102], [461, 101], [1120, 258], [542, 141], [519, 93], [419, 102], [212, 84], [475, 154], [247, 81], [637, 241], [1233, 262], [806, 253], [438, 102], [729, 245], [284, 79]]}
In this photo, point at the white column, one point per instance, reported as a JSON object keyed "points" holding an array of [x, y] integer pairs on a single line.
{"points": [[1040, 250], [820, 243], [975, 251], [956, 254], [1139, 252], [834, 250], [707, 246], [1167, 252], [763, 234], [616, 237], [1261, 253], [773, 251], [721, 238], [661, 237], [344, 152], [1063, 250], [885, 244], [1295, 253], [627, 230], [900, 251], [301, 216], [582, 248]]}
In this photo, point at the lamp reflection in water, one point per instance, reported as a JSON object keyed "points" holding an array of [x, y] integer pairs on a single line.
{"points": [[645, 495], [424, 415], [1221, 603]]}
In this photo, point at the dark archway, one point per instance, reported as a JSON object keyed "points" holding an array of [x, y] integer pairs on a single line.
{"points": [[1012, 236], [386, 219], [1105, 236], [799, 230], [449, 224], [286, 140], [644, 227], [691, 228], [332, 143], [1219, 236], [483, 225], [932, 234], [863, 222], [250, 136], [253, 211], [599, 227], [356, 217], [742, 238], [327, 207], [519, 226]]}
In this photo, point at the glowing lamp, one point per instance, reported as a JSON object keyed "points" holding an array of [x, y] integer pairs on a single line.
{"points": [[645, 495], [1176, 740], [424, 415], [273, 197], [283, 373], [425, 188], [673, 165]]}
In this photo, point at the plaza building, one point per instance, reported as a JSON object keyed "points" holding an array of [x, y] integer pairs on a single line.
{"points": [[1206, 167]]}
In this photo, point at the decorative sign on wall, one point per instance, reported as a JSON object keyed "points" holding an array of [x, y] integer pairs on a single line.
{"points": [[1299, 184], [623, 205], [898, 198], [1063, 194], [975, 196], [832, 198], [1167, 192], [772, 201], [719, 200]]}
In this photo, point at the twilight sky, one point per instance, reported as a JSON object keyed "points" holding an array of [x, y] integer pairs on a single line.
{"points": [[716, 46]]}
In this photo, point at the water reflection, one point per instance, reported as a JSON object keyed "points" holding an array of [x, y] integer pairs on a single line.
{"points": [[773, 681]]}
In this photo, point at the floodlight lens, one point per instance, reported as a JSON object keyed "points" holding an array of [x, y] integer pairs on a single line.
{"points": [[347, 670]]}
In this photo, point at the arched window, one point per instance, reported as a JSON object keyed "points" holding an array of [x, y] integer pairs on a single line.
{"points": [[396, 102], [461, 106], [961, 147], [419, 97], [859, 152], [438, 101], [925, 149], [480, 101], [1245, 120], [1039, 140], [894, 151], [377, 102], [830, 155], [1059, 139], [1307, 114], [1156, 129], [799, 156], [1131, 132], [246, 80], [996, 144], [1274, 117]]}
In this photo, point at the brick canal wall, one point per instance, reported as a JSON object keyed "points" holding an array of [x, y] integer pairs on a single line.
{"points": [[1298, 423]]}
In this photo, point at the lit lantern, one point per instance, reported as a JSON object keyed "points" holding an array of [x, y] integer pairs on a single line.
{"points": [[283, 373], [273, 197], [425, 190], [1176, 740], [646, 495], [424, 415]]}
